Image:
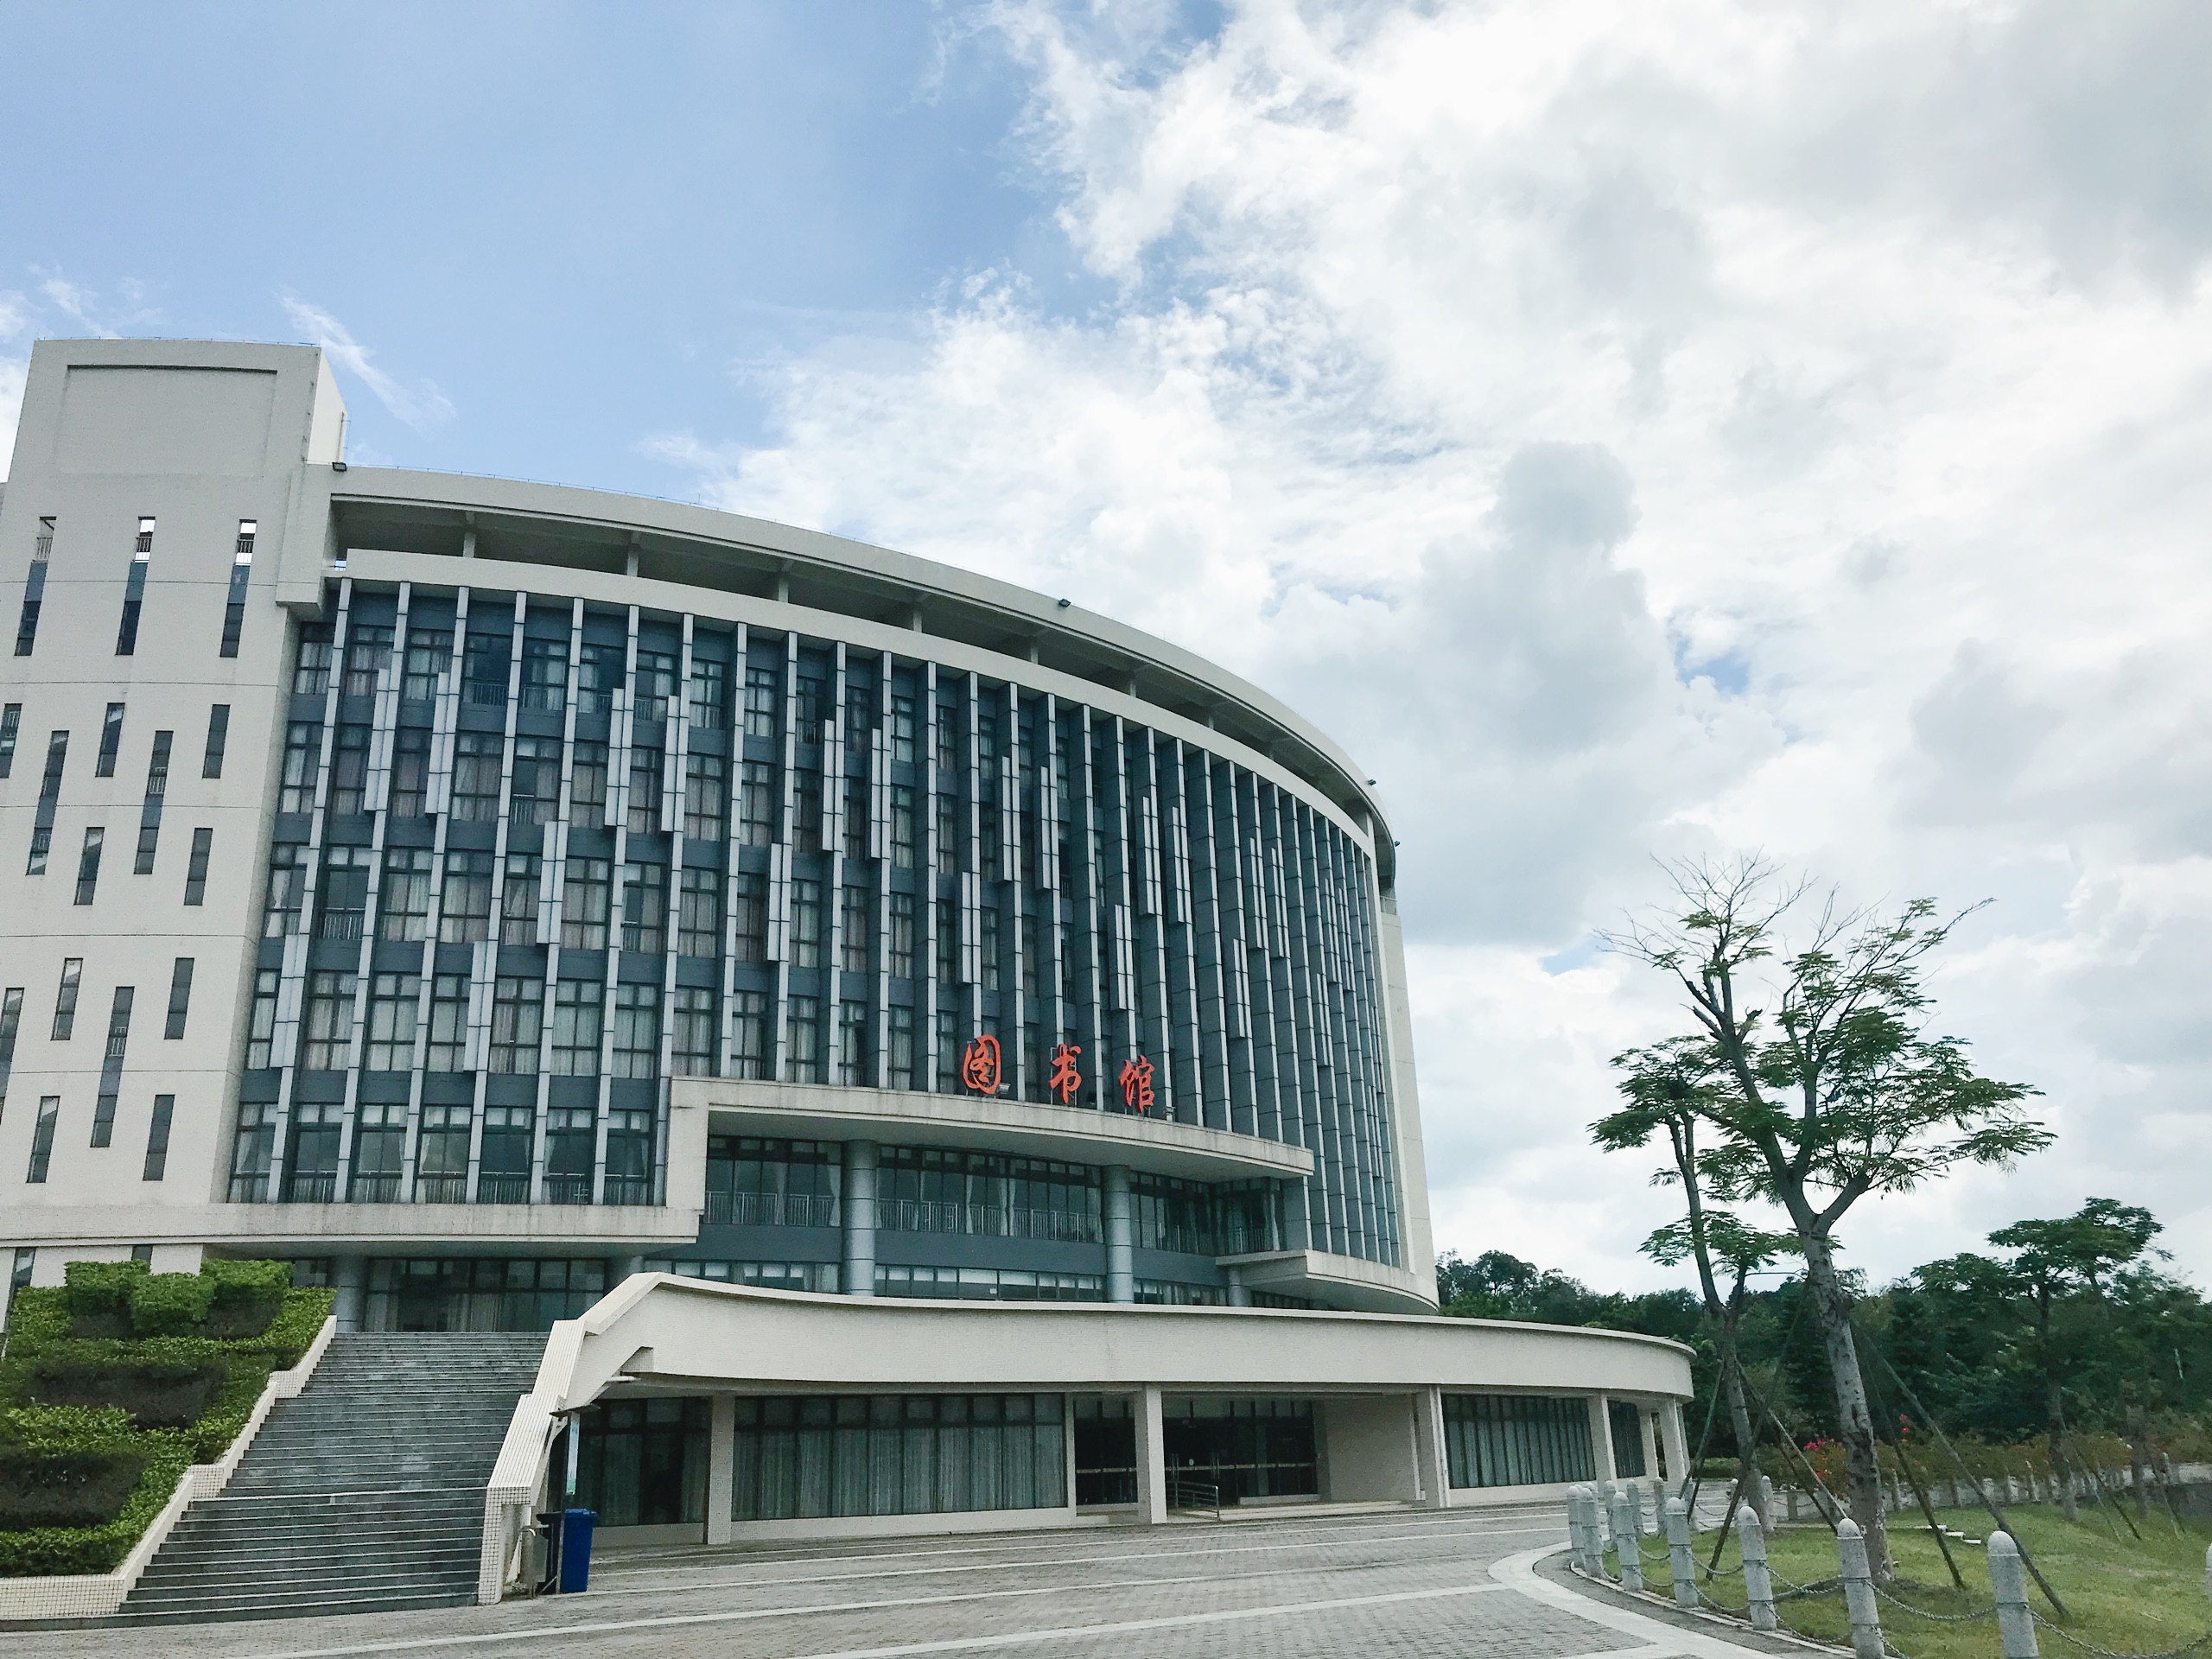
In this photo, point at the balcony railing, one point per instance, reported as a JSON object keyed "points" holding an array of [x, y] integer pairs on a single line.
{"points": [[311, 1186], [772, 1209], [992, 1221], [629, 1189], [441, 1189], [567, 1189], [502, 1189], [374, 1189]]}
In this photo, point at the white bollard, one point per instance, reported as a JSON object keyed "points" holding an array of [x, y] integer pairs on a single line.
{"points": [[1625, 1546], [1581, 1527], [1859, 1591], [1758, 1583], [2008, 1583], [1679, 1563]]}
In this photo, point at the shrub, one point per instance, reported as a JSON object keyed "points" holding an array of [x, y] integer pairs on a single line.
{"points": [[98, 1293], [98, 1550], [39, 1319], [248, 1295], [158, 1390], [169, 1304], [61, 1466]]}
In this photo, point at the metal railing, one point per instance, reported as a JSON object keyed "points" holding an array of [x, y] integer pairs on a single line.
{"points": [[374, 1189], [772, 1209], [441, 1189], [1184, 1493], [988, 1220], [501, 1189]]}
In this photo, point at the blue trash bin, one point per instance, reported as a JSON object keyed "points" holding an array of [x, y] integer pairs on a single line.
{"points": [[576, 1550]]}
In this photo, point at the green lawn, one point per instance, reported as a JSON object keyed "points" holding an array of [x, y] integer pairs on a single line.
{"points": [[2134, 1597]]}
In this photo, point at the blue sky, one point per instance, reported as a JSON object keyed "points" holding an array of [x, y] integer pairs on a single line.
{"points": [[1632, 430], [579, 233]]}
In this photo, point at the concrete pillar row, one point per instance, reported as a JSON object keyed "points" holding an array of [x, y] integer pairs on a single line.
{"points": [[1601, 1434], [859, 1206], [721, 1447], [1677, 1443], [1647, 1425], [1432, 1457], [1152, 1459], [349, 1302], [1240, 1293], [1121, 1237]]}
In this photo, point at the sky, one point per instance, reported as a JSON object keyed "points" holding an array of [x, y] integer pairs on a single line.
{"points": [[1635, 432]]}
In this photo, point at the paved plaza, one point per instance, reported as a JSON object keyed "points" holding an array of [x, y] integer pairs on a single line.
{"points": [[1399, 1582]]}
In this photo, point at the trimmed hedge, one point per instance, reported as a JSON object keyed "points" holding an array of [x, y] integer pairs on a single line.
{"points": [[160, 1390], [170, 1304], [252, 1323]]}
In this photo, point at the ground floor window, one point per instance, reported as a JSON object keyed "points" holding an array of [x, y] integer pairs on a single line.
{"points": [[1628, 1439], [643, 1463], [989, 1284], [1173, 1294], [481, 1293], [898, 1454], [771, 1276], [1511, 1439], [1105, 1449], [1247, 1448]]}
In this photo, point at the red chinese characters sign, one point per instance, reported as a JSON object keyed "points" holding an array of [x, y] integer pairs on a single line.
{"points": [[979, 1064], [1136, 1084], [1065, 1082]]}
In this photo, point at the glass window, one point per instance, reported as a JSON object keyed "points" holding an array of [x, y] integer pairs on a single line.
{"points": [[646, 773], [534, 795], [1503, 1440], [656, 683], [749, 917], [709, 695], [853, 1069], [806, 923], [856, 927], [637, 1030], [368, 648], [903, 1075], [629, 1157], [477, 760], [326, 1035], [763, 700], [545, 675], [158, 1138], [805, 1042], [570, 1132], [441, 1156], [251, 1152], [342, 904], [903, 724], [694, 1013], [813, 705], [902, 826], [518, 1011], [518, 900], [261, 1023], [599, 670], [311, 673], [587, 787], [503, 1175], [430, 654], [379, 1152], [748, 1034], [287, 890], [411, 772], [484, 667], [888, 1454], [757, 804], [706, 784], [902, 935], [586, 884], [699, 914], [394, 1003], [302, 754], [405, 903], [578, 1005], [195, 866], [644, 908], [448, 1050], [465, 898]]}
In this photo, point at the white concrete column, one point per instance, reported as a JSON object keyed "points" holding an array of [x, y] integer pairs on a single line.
{"points": [[1678, 1446], [349, 1275], [1151, 1459], [1601, 1435], [1432, 1457], [1646, 1422], [1240, 1293], [1121, 1237], [860, 1217], [722, 1457]]}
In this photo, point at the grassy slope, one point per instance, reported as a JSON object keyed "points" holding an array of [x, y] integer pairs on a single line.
{"points": [[2146, 1597]]}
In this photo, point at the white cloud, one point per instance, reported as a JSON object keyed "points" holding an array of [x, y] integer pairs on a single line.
{"points": [[1635, 429], [417, 405]]}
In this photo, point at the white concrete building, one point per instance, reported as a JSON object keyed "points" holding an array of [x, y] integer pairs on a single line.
{"points": [[490, 896]]}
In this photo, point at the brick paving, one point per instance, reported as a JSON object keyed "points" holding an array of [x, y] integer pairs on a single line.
{"points": [[1403, 1584]]}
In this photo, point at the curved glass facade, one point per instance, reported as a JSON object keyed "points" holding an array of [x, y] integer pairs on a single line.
{"points": [[533, 859]]}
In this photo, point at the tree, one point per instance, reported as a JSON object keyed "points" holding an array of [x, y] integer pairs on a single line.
{"points": [[1659, 1084], [1839, 1092], [2060, 1269]]}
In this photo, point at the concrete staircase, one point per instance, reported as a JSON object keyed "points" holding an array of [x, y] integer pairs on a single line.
{"points": [[363, 1495]]}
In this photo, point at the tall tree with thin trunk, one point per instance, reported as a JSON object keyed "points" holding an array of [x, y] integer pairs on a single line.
{"points": [[1658, 1086], [1831, 1087]]}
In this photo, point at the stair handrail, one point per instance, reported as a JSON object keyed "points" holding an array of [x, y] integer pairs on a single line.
{"points": [[512, 1492], [96, 1595]]}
